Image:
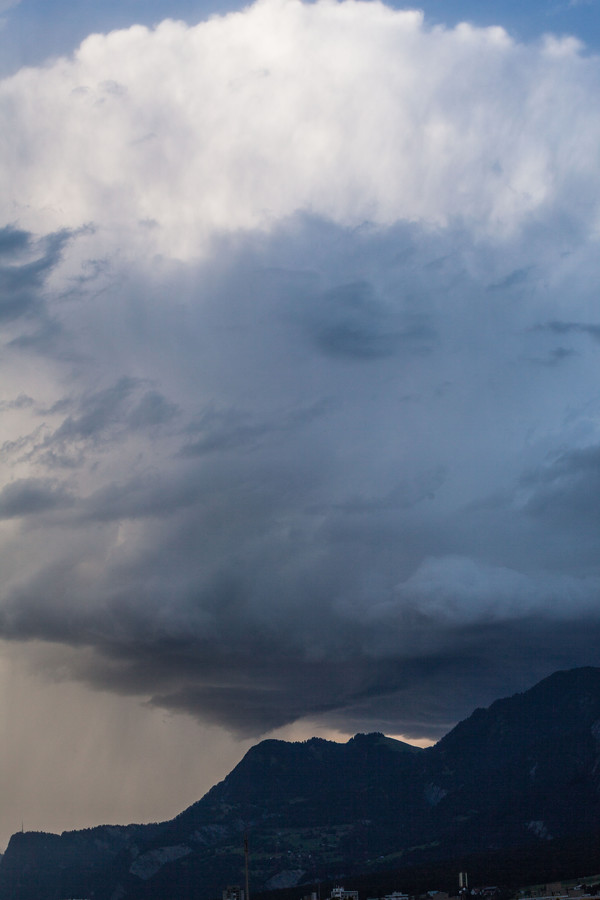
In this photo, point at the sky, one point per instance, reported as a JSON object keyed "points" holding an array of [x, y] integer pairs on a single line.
{"points": [[298, 381]]}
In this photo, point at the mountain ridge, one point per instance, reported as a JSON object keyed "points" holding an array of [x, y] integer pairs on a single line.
{"points": [[521, 773]]}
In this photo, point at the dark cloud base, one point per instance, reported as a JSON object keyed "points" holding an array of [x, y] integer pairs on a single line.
{"points": [[319, 475]]}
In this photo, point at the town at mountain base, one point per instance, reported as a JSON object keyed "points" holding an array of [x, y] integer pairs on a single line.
{"points": [[512, 793]]}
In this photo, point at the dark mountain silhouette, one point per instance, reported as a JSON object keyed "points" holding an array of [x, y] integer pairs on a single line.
{"points": [[521, 777]]}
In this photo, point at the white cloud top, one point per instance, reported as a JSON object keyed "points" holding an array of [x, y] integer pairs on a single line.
{"points": [[352, 111]]}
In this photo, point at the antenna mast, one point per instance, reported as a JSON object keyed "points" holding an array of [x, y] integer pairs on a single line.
{"points": [[247, 897]]}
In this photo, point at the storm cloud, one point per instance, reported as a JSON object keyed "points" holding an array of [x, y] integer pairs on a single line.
{"points": [[314, 431]]}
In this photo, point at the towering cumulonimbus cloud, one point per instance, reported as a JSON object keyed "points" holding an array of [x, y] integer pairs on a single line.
{"points": [[299, 364], [350, 111]]}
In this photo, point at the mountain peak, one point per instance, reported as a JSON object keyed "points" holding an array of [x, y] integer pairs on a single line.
{"points": [[377, 739]]}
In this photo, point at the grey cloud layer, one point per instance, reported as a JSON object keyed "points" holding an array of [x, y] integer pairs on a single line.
{"points": [[24, 265], [323, 467], [264, 525]]}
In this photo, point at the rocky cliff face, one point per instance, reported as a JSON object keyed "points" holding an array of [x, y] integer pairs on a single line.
{"points": [[522, 773]]}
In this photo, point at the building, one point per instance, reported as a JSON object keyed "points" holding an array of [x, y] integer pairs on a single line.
{"points": [[338, 893], [233, 892]]}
